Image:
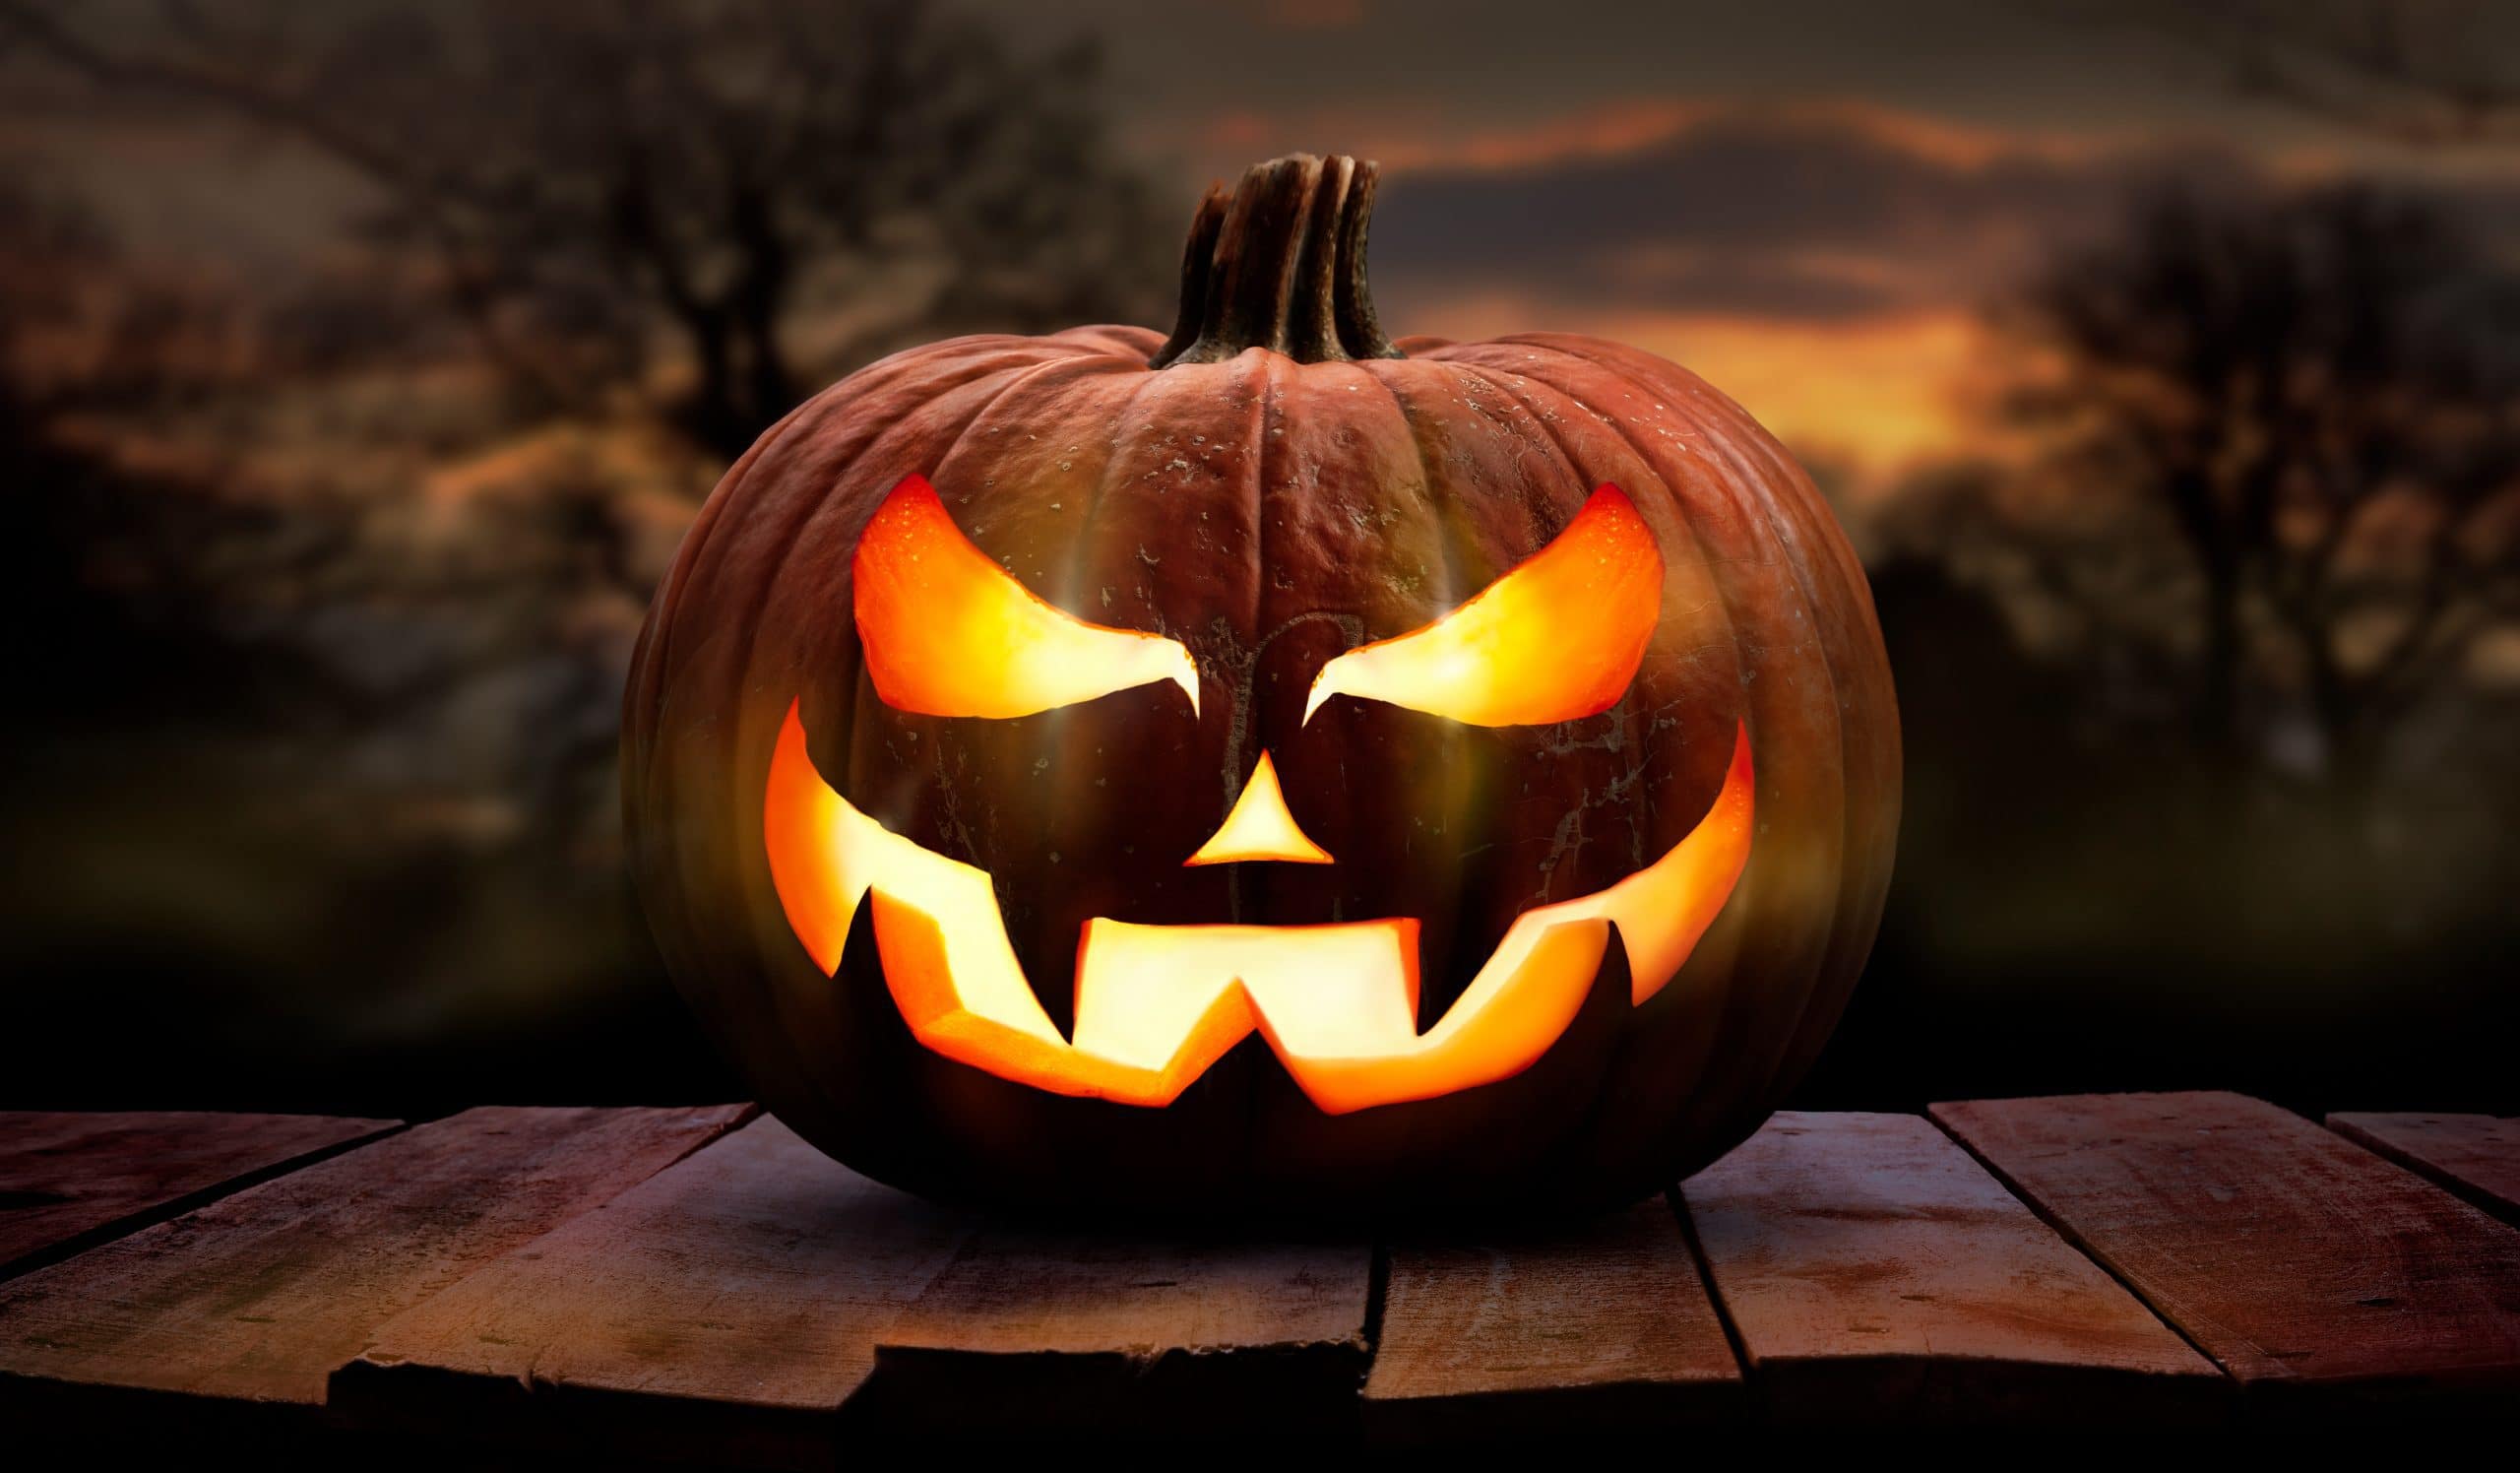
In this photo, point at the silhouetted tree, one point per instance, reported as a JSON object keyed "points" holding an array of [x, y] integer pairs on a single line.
{"points": [[133, 578], [589, 181], [2430, 72], [2318, 395]]}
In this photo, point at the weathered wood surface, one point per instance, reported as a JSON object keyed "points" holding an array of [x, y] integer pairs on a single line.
{"points": [[1085, 1331], [2313, 1270], [1874, 1272], [627, 1284], [252, 1301], [2475, 1156], [721, 1312], [1597, 1324], [69, 1182]]}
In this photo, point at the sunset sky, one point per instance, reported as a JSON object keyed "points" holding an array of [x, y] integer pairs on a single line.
{"points": [[1810, 202]]}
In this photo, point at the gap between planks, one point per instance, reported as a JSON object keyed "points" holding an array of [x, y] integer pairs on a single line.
{"points": [[722, 1311], [71, 1182], [2327, 1281], [239, 1312], [1605, 1323], [2474, 1156], [1875, 1273]]}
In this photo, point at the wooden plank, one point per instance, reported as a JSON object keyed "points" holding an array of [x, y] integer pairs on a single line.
{"points": [[69, 1182], [721, 1312], [1041, 1330], [2475, 1157], [2315, 1272], [246, 1306], [1601, 1323], [1874, 1273]]}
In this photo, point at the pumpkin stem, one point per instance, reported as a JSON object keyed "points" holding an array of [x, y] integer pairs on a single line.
{"points": [[1280, 263]]}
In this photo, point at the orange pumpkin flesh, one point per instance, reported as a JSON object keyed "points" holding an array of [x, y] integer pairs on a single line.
{"points": [[1279, 497]]}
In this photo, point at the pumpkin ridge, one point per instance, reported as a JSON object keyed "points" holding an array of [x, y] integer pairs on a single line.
{"points": [[1738, 475], [1448, 544], [860, 725], [1246, 888], [1053, 976], [862, 684], [1734, 1018], [1096, 498], [1470, 934], [1632, 739], [1833, 564], [814, 503], [1642, 845], [1253, 377], [1476, 932], [1499, 376]]}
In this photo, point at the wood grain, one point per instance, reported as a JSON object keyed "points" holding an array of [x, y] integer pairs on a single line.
{"points": [[70, 1181], [2475, 1157], [1874, 1272], [251, 1302], [1037, 1330], [1604, 1323], [721, 1312], [2314, 1271]]}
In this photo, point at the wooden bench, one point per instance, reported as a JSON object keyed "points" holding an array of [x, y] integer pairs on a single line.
{"points": [[699, 1285]]}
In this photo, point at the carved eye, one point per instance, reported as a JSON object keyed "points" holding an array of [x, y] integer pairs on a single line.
{"points": [[948, 632], [1558, 638]]}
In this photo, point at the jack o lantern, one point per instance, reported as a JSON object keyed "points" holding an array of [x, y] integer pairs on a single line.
{"points": [[1270, 770]]}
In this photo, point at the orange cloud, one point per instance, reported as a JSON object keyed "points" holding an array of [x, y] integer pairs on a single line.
{"points": [[1618, 128], [1872, 397], [1876, 395], [1427, 142]]}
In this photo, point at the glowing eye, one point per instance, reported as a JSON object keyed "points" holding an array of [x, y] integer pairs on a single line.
{"points": [[1556, 638], [948, 632]]}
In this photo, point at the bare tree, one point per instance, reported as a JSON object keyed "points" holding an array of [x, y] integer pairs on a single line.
{"points": [[2320, 394], [2430, 72], [590, 182]]}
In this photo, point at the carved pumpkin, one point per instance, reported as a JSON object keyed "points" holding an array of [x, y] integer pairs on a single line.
{"points": [[1269, 770]]}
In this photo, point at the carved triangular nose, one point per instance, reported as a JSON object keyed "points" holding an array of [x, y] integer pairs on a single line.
{"points": [[1260, 828]]}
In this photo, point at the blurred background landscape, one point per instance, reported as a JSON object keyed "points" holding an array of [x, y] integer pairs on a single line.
{"points": [[360, 364]]}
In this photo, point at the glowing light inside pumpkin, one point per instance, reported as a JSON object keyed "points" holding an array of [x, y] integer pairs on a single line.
{"points": [[948, 632], [1556, 638], [1259, 827], [1349, 987], [1157, 1005]]}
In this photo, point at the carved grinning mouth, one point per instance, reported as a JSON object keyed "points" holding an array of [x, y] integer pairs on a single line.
{"points": [[1157, 1004]]}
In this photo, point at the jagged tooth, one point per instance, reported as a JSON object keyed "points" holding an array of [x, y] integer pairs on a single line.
{"points": [[1331, 989], [1513, 1012], [1137, 1000]]}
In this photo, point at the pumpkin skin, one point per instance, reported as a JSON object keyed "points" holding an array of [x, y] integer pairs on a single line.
{"points": [[1271, 512]]}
